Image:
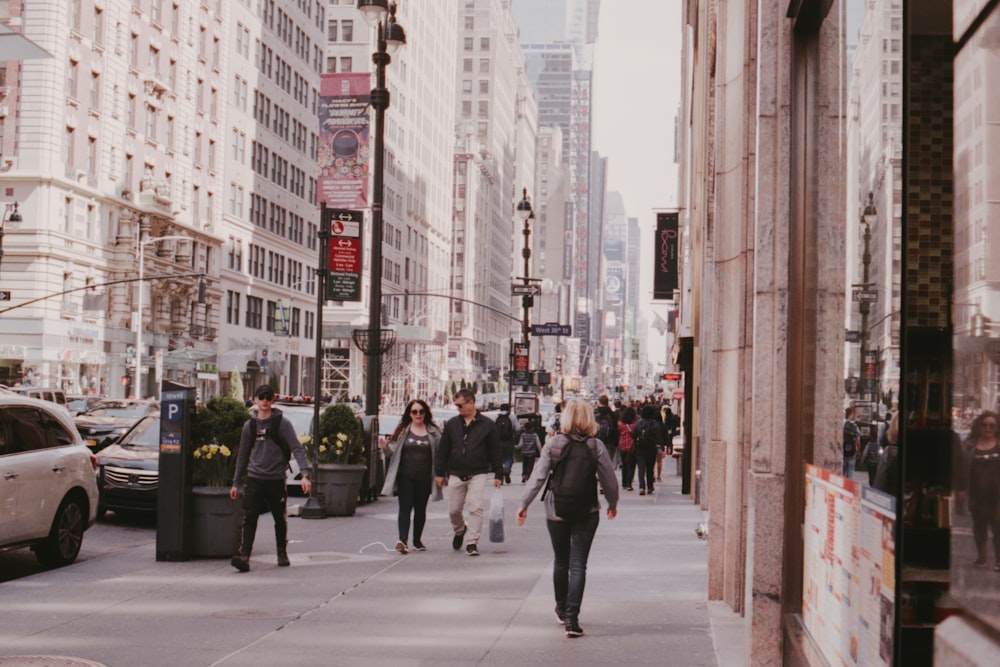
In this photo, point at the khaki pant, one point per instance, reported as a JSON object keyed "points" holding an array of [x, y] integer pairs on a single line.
{"points": [[471, 492]]}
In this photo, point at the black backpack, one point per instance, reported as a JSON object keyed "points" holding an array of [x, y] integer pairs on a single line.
{"points": [[606, 432], [505, 429], [573, 480], [644, 435]]}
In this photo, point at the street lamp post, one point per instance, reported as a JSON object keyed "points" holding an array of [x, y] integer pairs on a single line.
{"points": [[868, 217], [526, 215], [142, 243], [390, 36]]}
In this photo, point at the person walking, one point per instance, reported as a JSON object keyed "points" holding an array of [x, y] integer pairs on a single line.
{"points": [[626, 446], [468, 451], [978, 482], [508, 433], [647, 438], [852, 443], [886, 474], [266, 445], [410, 475], [571, 539], [530, 445], [872, 451], [607, 426]]}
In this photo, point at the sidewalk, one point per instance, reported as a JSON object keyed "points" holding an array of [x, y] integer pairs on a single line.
{"points": [[350, 599]]}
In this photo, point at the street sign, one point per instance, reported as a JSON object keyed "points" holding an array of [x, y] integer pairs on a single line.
{"points": [[525, 290], [343, 277], [864, 295], [4, 295], [852, 336], [520, 378], [551, 329]]}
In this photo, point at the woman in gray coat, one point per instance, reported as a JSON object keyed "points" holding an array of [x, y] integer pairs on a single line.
{"points": [[412, 448], [571, 539]]}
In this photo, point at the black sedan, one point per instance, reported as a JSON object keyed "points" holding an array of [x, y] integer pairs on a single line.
{"points": [[129, 470], [110, 419]]}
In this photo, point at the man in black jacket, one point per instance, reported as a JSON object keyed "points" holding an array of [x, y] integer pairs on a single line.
{"points": [[468, 451]]}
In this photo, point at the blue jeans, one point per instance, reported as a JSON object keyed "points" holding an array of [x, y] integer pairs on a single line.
{"points": [[507, 453], [571, 542], [628, 468], [850, 460], [413, 495], [646, 462]]}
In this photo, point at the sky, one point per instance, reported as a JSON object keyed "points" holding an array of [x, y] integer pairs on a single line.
{"points": [[636, 98]]}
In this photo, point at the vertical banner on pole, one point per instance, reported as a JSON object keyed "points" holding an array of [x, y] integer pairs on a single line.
{"points": [[665, 247]]}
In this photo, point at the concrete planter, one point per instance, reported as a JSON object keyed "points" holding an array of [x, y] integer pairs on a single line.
{"points": [[338, 486]]}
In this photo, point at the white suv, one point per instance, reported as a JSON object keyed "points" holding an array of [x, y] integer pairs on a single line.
{"points": [[48, 482]]}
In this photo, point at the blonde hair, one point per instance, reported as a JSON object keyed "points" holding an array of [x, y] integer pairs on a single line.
{"points": [[578, 418]]}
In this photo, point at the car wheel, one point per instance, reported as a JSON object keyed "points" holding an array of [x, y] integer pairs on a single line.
{"points": [[63, 543]]}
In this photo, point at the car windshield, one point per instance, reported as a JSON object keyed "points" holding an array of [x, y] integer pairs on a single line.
{"points": [[145, 434], [133, 411]]}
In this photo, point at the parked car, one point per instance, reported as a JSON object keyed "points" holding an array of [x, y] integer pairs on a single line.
{"points": [[128, 471], [110, 419], [78, 403], [50, 394], [48, 491], [301, 416]]}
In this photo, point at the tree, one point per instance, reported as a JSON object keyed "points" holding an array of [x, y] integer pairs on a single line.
{"points": [[236, 385]]}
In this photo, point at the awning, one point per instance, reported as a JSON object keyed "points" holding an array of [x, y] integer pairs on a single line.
{"points": [[236, 360]]}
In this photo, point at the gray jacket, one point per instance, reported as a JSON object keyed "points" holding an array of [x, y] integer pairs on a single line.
{"points": [[262, 458], [551, 453], [434, 435]]}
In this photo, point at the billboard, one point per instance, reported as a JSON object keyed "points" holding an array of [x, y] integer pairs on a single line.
{"points": [[665, 248], [343, 140]]}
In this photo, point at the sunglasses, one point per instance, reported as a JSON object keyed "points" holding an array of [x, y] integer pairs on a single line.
{"points": [[416, 411], [265, 397], [990, 424]]}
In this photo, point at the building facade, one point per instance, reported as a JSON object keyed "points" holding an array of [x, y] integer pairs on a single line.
{"points": [[771, 101]]}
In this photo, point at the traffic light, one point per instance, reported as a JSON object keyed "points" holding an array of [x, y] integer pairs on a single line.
{"points": [[527, 301]]}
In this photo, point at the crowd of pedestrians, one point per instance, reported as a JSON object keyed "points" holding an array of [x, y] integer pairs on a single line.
{"points": [[572, 460]]}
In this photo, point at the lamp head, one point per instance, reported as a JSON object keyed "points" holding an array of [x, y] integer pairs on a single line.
{"points": [[870, 215], [373, 10], [395, 36], [15, 215], [524, 207]]}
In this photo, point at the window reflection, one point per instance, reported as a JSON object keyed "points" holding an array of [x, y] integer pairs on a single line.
{"points": [[975, 545]]}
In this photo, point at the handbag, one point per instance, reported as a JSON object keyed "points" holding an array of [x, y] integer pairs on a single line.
{"points": [[496, 517]]}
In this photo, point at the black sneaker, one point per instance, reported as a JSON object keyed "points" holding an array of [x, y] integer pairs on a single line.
{"points": [[573, 629], [560, 616], [471, 549], [419, 546], [240, 563], [456, 542], [283, 559]]}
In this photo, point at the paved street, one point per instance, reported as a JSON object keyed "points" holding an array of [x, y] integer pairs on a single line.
{"points": [[349, 599]]}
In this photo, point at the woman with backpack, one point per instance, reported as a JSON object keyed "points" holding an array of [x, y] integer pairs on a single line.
{"points": [[626, 446], [576, 460]]}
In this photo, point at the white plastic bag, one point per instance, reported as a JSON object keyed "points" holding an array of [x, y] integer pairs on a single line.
{"points": [[496, 517]]}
